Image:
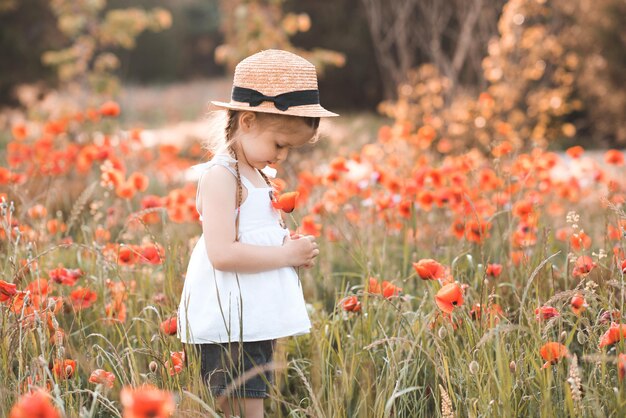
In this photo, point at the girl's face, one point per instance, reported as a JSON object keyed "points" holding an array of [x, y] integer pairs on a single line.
{"points": [[265, 140]]}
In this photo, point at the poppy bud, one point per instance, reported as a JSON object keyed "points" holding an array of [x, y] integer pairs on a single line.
{"points": [[153, 366], [351, 303], [512, 366], [169, 326], [546, 312], [578, 304], [442, 333], [473, 367]]}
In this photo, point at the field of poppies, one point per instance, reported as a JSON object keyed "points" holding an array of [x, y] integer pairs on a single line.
{"points": [[474, 284]]}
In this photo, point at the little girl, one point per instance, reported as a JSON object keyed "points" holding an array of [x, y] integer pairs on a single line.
{"points": [[241, 290]]}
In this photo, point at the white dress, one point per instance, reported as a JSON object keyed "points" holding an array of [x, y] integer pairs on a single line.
{"points": [[215, 303]]}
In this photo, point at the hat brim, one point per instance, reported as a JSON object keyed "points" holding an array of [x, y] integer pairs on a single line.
{"points": [[312, 110]]}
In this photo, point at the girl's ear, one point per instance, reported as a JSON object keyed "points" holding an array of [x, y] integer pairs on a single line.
{"points": [[247, 120]]}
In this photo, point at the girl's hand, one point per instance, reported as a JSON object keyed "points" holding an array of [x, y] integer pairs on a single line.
{"points": [[300, 250]]}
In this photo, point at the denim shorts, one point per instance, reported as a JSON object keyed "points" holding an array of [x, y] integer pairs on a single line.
{"points": [[221, 364]]}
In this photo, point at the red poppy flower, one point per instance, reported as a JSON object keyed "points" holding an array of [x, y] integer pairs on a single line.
{"points": [[389, 289], [286, 202], [578, 304], [152, 254], [111, 178], [351, 304], [552, 352], [7, 290], [147, 402], [429, 269], [176, 363], [339, 164], [151, 201], [583, 266], [125, 190], [115, 312], [19, 131], [546, 312], [309, 227], [614, 157], [494, 270], [449, 297], [34, 404], [502, 149], [5, 176], [477, 231], [64, 369], [109, 108], [103, 377], [82, 298], [38, 287], [37, 212], [65, 276], [169, 326], [575, 151], [139, 181], [579, 241], [126, 255], [373, 287], [615, 333]]}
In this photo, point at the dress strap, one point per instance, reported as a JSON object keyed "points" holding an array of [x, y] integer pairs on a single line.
{"points": [[225, 161], [218, 159]]}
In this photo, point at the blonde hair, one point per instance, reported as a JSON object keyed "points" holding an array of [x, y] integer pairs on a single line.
{"points": [[220, 140], [221, 124]]}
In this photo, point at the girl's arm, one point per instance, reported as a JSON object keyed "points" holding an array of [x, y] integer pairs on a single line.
{"points": [[217, 197]]}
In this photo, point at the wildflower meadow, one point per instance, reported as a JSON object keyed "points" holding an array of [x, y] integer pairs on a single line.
{"points": [[468, 266]]}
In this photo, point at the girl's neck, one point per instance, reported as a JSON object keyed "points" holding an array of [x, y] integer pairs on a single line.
{"points": [[240, 156]]}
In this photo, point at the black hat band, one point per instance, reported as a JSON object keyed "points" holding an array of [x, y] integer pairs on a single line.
{"points": [[282, 101]]}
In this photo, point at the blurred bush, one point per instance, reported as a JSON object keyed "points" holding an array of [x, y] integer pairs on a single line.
{"points": [[552, 74]]}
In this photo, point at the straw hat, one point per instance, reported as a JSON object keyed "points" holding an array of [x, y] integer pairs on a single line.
{"points": [[275, 81]]}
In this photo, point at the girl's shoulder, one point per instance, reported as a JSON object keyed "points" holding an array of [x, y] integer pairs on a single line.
{"points": [[217, 160], [216, 175], [216, 186]]}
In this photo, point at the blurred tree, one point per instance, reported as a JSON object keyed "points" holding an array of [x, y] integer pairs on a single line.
{"points": [[89, 59], [250, 26], [341, 26], [452, 35], [599, 37], [27, 29]]}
